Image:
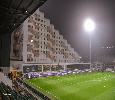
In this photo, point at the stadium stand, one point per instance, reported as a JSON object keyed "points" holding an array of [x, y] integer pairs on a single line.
{"points": [[20, 90], [36, 92], [10, 94]]}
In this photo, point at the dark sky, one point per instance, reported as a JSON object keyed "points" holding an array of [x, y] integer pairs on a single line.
{"points": [[68, 17]]}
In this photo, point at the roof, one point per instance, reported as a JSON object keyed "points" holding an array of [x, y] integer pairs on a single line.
{"points": [[14, 12]]}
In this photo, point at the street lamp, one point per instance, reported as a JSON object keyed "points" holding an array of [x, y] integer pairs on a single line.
{"points": [[89, 27]]}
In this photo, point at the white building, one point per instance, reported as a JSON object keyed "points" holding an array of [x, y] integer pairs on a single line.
{"points": [[36, 41]]}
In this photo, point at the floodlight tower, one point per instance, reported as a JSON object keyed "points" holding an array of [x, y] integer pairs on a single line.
{"points": [[89, 27]]}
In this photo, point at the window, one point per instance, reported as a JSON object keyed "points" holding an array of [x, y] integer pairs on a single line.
{"points": [[30, 38], [38, 19], [29, 48], [29, 57], [35, 18], [29, 25]]}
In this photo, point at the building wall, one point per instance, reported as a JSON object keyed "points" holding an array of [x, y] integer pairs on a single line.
{"points": [[17, 44], [42, 43], [16, 65]]}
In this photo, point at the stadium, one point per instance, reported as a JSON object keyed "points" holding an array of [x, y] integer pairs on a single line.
{"points": [[38, 63]]}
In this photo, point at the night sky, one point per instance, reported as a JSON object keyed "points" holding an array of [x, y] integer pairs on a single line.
{"points": [[68, 17]]}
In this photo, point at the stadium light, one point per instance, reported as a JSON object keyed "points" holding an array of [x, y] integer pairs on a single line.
{"points": [[89, 26]]}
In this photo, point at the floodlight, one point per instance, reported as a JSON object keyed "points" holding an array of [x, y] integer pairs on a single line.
{"points": [[89, 25]]}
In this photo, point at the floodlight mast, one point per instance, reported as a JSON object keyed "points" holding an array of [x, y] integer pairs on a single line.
{"points": [[89, 27]]}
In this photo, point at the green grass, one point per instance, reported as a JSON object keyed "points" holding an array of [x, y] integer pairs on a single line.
{"points": [[86, 86]]}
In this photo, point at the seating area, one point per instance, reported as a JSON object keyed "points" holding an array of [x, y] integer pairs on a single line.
{"points": [[22, 91], [36, 92], [7, 93]]}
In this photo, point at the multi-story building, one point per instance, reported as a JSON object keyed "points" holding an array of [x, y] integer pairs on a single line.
{"points": [[36, 41]]}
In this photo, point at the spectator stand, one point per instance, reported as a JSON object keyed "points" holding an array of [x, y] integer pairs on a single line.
{"points": [[34, 91]]}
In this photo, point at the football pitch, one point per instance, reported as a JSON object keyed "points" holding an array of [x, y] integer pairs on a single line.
{"points": [[85, 86]]}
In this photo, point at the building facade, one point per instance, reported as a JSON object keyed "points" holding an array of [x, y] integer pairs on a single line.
{"points": [[36, 41]]}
